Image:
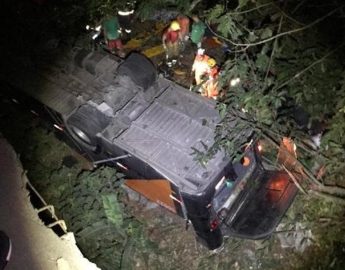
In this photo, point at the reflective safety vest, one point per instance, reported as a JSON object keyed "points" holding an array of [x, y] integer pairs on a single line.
{"points": [[210, 87], [200, 67]]}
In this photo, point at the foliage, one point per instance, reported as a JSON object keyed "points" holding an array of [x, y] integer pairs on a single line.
{"points": [[93, 209], [96, 9], [287, 60], [283, 60], [280, 74]]}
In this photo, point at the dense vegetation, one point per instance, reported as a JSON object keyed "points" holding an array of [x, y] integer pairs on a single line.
{"points": [[289, 58]]}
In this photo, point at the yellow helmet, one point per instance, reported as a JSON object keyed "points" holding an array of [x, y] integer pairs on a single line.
{"points": [[211, 62], [175, 26]]}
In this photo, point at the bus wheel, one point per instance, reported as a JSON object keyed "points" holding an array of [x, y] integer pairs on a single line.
{"points": [[85, 124]]}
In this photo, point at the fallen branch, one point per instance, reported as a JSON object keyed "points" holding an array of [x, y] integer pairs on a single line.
{"points": [[333, 190], [328, 197], [295, 180], [298, 163]]}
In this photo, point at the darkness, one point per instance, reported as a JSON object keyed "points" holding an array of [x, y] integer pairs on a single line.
{"points": [[28, 25]]}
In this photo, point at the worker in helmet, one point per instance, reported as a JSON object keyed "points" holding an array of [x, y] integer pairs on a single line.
{"points": [[171, 39], [200, 67], [198, 31], [210, 87], [126, 15], [112, 33], [184, 25]]}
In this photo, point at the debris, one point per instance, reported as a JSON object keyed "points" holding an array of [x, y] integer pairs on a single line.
{"points": [[297, 237]]}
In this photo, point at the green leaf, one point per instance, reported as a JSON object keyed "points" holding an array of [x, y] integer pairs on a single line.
{"points": [[266, 33], [262, 62], [216, 12], [242, 3], [252, 37], [227, 27], [222, 109], [112, 209]]}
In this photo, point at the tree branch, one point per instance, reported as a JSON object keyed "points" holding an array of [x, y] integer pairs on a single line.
{"points": [[328, 197], [333, 190], [193, 4], [250, 10], [305, 170], [287, 16], [298, 74], [278, 35], [273, 49], [295, 180], [299, 5]]}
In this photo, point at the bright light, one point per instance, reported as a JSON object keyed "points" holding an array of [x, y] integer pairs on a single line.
{"points": [[175, 199], [316, 140], [98, 28], [235, 82], [248, 144], [128, 31], [244, 110], [260, 148], [245, 161], [294, 148], [220, 183], [122, 166], [58, 127], [126, 13], [95, 36], [214, 224]]}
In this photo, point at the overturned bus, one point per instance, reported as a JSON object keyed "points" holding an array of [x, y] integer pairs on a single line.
{"points": [[146, 126]]}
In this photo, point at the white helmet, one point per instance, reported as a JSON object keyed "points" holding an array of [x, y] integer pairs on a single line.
{"points": [[201, 51]]}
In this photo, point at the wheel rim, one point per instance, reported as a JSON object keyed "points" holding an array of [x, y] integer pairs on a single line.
{"points": [[82, 135]]}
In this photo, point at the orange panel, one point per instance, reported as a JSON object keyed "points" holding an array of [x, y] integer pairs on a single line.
{"points": [[156, 190]]}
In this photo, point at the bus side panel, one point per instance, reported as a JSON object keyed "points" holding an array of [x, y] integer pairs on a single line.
{"points": [[156, 190]]}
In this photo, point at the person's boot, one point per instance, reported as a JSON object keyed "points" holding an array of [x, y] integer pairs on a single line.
{"points": [[5, 249]]}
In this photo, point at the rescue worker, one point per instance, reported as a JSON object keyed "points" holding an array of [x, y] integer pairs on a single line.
{"points": [[210, 87], [198, 31], [112, 32], [171, 39], [200, 67], [125, 16], [184, 25]]}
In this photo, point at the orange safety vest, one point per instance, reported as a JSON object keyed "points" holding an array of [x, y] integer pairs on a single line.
{"points": [[200, 67], [210, 87]]}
